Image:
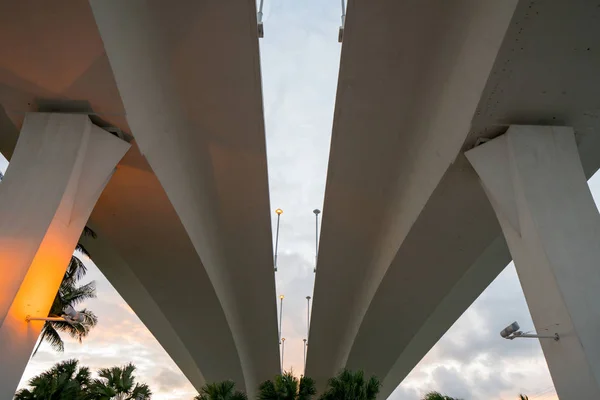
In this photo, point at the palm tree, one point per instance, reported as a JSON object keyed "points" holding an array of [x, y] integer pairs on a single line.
{"points": [[220, 391], [437, 396], [287, 387], [349, 385], [118, 383], [71, 294], [62, 382], [523, 397]]}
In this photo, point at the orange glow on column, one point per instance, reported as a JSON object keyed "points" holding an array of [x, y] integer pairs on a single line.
{"points": [[37, 292]]}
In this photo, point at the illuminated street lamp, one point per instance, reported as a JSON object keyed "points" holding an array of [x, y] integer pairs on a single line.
{"points": [[70, 316]]}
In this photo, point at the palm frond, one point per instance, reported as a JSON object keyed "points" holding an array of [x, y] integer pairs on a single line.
{"points": [[307, 388], [87, 231], [51, 336], [76, 269], [73, 295], [140, 392], [266, 391]]}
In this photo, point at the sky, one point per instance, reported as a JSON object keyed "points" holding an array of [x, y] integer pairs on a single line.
{"points": [[300, 61]]}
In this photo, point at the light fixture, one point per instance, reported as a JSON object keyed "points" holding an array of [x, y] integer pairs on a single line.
{"points": [[70, 315], [513, 332]]}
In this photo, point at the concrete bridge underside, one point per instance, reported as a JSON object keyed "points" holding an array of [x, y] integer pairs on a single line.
{"points": [[184, 224], [409, 239]]}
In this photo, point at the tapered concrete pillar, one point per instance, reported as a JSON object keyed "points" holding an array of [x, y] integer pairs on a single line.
{"points": [[534, 180], [57, 172]]}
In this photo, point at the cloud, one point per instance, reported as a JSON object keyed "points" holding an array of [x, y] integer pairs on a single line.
{"points": [[472, 361], [168, 380]]}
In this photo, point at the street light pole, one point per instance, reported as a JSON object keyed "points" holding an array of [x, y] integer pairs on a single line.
{"points": [[282, 353], [307, 316], [279, 211], [280, 314], [304, 371], [317, 212]]}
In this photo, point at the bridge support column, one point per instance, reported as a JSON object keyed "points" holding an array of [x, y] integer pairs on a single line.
{"points": [[536, 185], [57, 172]]}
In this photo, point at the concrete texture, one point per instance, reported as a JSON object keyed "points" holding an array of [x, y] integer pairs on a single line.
{"points": [[217, 98], [543, 73], [208, 152], [403, 110], [59, 168], [535, 182]]}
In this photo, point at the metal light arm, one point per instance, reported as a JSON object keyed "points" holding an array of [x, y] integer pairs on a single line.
{"points": [[519, 334], [51, 319]]}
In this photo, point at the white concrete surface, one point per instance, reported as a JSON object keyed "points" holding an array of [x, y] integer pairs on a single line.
{"points": [[392, 152], [58, 170], [535, 182], [143, 247], [204, 139], [411, 76], [144, 251]]}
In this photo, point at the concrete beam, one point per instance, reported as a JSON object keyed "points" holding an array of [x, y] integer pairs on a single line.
{"points": [[205, 142], [416, 100], [60, 166], [536, 184], [146, 254]]}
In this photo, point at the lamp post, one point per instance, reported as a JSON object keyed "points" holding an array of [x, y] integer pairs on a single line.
{"points": [[261, 32], [317, 212], [341, 30], [280, 314], [279, 211], [304, 371], [307, 317], [282, 352]]}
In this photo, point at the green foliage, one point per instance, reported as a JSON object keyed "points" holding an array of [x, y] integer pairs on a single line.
{"points": [[349, 385], [118, 383], [70, 294], [287, 387], [220, 391], [64, 381], [437, 396]]}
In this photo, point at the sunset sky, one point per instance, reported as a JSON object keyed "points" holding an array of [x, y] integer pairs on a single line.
{"points": [[300, 61]]}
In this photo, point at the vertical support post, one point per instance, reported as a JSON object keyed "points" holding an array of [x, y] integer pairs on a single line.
{"points": [[279, 211], [280, 315], [537, 187], [317, 212], [282, 352], [304, 368], [58, 170], [307, 316]]}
